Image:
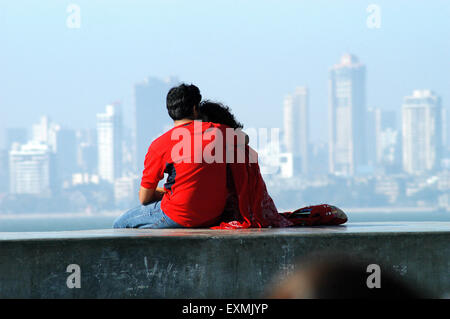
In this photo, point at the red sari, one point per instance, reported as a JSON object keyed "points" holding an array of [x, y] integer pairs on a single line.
{"points": [[250, 205]]}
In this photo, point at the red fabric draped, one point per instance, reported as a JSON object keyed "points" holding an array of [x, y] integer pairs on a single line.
{"points": [[251, 206]]}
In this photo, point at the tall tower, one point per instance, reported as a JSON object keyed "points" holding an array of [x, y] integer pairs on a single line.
{"points": [[347, 116], [380, 124], [109, 143], [150, 114], [421, 132], [46, 132], [296, 128]]}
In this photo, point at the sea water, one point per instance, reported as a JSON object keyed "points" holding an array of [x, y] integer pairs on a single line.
{"points": [[66, 222]]}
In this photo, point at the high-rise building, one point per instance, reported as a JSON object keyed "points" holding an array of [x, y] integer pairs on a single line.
{"points": [[389, 150], [296, 128], [46, 132], [109, 143], [30, 169], [150, 114], [388, 141], [382, 137], [372, 131], [347, 116], [421, 132]]}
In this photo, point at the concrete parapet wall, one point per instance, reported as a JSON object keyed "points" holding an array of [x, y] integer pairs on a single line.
{"points": [[201, 263]]}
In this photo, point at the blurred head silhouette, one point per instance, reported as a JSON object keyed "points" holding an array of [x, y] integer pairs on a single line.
{"points": [[343, 278]]}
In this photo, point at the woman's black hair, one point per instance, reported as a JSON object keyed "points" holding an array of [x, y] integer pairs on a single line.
{"points": [[216, 112]]}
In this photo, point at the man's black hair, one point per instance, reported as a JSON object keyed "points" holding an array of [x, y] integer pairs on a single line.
{"points": [[217, 113], [181, 101]]}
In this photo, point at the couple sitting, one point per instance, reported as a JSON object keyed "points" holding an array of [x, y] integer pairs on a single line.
{"points": [[199, 192]]}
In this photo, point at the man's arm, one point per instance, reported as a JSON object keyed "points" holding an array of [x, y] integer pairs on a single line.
{"points": [[146, 196]]}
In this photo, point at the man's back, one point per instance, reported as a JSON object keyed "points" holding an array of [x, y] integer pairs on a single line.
{"points": [[195, 190]]}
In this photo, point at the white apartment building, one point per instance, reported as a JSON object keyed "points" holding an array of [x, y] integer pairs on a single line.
{"points": [[109, 143], [421, 132]]}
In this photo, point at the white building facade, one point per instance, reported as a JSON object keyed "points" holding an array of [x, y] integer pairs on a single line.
{"points": [[421, 132], [109, 143]]}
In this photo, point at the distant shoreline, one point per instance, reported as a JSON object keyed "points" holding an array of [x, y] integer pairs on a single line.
{"points": [[356, 210], [395, 210], [58, 215]]}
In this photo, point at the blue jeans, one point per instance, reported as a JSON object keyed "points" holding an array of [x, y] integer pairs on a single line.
{"points": [[148, 216]]}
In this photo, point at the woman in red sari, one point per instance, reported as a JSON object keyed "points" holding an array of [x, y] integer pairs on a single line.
{"points": [[249, 205]]}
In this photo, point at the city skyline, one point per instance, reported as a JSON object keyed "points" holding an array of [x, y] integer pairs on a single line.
{"points": [[397, 162], [289, 149], [149, 104], [152, 88]]}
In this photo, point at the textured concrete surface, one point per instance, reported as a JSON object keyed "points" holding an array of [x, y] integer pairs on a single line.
{"points": [[203, 263]]}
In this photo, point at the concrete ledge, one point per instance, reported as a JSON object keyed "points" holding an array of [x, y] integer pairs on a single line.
{"points": [[203, 263]]}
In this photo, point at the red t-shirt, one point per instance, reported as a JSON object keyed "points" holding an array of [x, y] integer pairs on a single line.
{"points": [[195, 190]]}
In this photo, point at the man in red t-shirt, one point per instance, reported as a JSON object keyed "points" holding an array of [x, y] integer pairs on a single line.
{"points": [[195, 191]]}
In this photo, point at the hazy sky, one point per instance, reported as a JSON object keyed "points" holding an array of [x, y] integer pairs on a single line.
{"points": [[246, 53]]}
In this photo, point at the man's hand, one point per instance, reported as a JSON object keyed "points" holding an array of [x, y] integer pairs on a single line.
{"points": [[146, 196]]}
